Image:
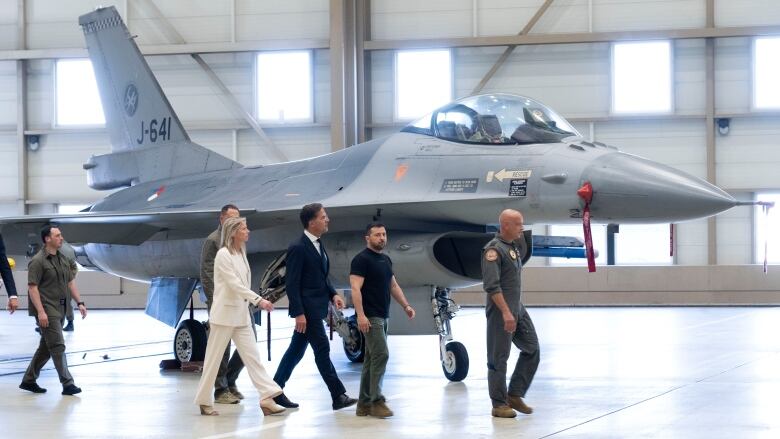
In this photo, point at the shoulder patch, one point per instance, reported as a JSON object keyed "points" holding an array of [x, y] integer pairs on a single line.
{"points": [[491, 255]]}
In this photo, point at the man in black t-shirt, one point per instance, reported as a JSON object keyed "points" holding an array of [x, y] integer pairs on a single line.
{"points": [[373, 283]]}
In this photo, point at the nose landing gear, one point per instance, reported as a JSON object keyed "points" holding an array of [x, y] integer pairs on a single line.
{"points": [[453, 354]]}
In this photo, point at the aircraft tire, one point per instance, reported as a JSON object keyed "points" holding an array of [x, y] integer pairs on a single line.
{"points": [[456, 362], [356, 353], [189, 342]]}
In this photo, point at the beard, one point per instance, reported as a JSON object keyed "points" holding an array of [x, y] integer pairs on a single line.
{"points": [[378, 246]]}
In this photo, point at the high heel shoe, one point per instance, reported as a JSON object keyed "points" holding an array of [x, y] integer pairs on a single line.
{"points": [[269, 407], [207, 410]]}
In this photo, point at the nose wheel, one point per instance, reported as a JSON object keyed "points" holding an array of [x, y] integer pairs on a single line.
{"points": [[453, 354]]}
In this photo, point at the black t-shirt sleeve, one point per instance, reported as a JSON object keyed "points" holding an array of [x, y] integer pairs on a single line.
{"points": [[359, 266]]}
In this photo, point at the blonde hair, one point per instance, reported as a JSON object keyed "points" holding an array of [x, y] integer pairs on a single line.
{"points": [[229, 229]]}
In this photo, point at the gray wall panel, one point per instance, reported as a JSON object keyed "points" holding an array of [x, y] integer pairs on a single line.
{"points": [[8, 169]]}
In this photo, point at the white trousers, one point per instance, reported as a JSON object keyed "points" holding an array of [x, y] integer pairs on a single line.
{"points": [[244, 338]]}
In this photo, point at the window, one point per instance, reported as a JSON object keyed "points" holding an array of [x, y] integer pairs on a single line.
{"points": [[599, 233], [76, 94], [645, 244], [766, 70], [423, 82], [642, 77], [767, 230], [71, 208], [284, 87]]}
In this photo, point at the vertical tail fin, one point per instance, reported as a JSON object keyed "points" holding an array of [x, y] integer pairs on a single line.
{"points": [[147, 138], [137, 112]]}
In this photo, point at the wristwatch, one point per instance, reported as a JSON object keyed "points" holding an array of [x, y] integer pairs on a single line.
{"points": [[81, 304]]}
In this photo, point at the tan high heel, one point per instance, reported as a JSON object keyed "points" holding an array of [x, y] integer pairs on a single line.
{"points": [[269, 407], [207, 410]]}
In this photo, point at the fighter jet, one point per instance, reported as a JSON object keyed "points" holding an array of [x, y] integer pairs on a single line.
{"points": [[438, 184]]}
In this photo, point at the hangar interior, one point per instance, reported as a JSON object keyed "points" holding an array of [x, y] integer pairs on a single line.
{"points": [[563, 58], [207, 56]]}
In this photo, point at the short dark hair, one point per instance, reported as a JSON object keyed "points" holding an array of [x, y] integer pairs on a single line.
{"points": [[46, 231], [373, 225], [309, 212], [227, 207]]}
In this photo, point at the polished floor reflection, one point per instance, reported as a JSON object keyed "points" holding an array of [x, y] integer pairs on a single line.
{"points": [[605, 373]]}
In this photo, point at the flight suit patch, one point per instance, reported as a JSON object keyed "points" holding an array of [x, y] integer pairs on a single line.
{"points": [[512, 254], [491, 255]]}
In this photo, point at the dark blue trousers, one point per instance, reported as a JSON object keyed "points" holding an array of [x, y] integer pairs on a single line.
{"points": [[314, 336]]}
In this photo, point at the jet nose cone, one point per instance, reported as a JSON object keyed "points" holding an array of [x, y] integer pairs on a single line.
{"points": [[632, 189]]}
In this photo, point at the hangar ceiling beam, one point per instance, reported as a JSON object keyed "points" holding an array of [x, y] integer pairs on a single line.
{"points": [[574, 38], [531, 23], [172, 34], [232, 102], [174, 49]]}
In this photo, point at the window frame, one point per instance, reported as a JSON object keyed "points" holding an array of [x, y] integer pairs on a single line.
{"points": [[758, 250], [671, 261], [753, 73], [70, 208], [55, 123], [396, 95], [256, 88], [601, 259], [613, 94]]}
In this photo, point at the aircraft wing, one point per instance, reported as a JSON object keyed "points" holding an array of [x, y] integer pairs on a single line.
{"points": [[125, 228], [135, 228]]}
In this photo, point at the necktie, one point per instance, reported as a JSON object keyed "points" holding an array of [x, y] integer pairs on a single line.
{"points": [[324, 256]]}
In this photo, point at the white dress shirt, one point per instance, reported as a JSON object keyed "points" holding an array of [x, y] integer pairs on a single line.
{"points": [[314, 240]]}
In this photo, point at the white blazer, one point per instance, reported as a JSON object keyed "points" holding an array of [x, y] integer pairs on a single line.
{"points": [[232, 290]]}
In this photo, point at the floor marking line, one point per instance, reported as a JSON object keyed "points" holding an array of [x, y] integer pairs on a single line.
{"points": [[725, 319], [674, 389]]}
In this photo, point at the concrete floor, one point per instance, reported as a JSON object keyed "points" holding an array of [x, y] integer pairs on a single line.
{"points": [[605, 372]]}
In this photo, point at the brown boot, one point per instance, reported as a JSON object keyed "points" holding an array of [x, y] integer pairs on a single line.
{"points": [[518, 404], [363, 409], [380, 410], [503, 411]]}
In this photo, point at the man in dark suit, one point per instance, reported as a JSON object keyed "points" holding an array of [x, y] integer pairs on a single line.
{"points": [[309, 291], [8, 279]]}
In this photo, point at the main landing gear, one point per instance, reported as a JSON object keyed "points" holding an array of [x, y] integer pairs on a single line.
{"points": [[189, 342]]}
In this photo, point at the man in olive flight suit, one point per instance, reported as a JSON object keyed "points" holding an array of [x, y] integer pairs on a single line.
{"points": [[508, 321]]}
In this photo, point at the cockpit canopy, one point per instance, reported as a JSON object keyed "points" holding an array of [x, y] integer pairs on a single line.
{"points": [[498, 118]]}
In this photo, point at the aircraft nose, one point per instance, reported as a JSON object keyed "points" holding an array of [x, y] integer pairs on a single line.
{"points": [[643, 191]]}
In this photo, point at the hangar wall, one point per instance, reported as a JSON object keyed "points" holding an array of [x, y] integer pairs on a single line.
{"points": [[572, 78]]}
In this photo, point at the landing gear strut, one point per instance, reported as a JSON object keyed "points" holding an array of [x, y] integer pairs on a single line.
{"points": [[347, 328], [454, 357]]}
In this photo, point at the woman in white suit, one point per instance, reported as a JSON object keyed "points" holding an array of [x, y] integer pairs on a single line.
{"points": [[229, 319]]}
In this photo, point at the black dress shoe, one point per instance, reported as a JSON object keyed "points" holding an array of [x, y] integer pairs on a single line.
{"points": [[71, 389], [343, 401], [284, 402], [32, 387], [69, 326]]}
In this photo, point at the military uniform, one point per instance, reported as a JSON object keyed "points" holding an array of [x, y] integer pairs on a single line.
{"points": [[502, 264], [51, 274], [69, 300]]}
